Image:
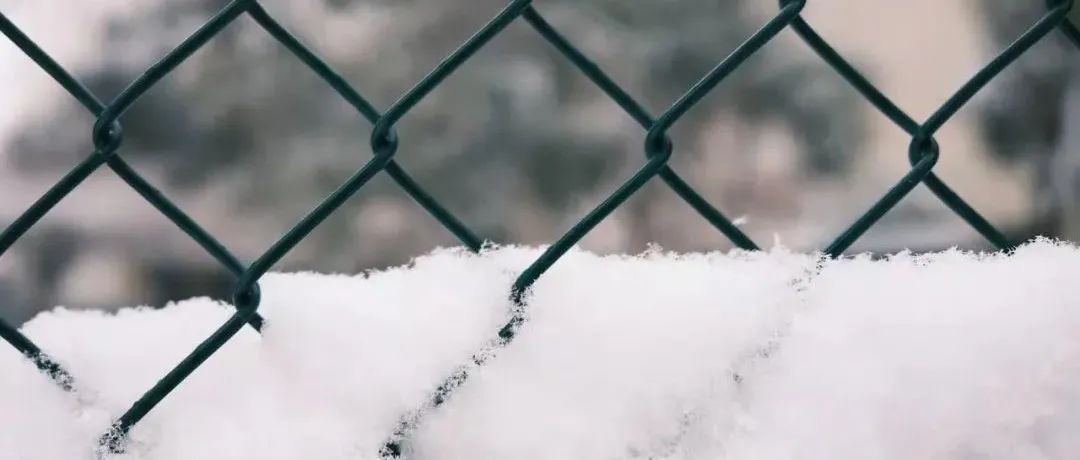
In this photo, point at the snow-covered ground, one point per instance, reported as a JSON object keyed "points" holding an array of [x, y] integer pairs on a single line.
{"points": [[942, 356]]}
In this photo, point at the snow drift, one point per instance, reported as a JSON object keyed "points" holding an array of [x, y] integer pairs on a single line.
{"points": [[660, 356]]}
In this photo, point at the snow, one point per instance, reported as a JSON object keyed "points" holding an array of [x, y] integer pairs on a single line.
{"points": [[770, 355]]}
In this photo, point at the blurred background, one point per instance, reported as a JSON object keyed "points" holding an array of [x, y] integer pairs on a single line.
{"points": [[517, 142]]}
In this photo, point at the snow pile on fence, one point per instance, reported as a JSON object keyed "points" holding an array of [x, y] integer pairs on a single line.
{"points": [[719, 356]]}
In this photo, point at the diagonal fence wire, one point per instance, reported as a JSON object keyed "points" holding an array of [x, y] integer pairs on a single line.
{"points": [[107, 137], [923, 154]]}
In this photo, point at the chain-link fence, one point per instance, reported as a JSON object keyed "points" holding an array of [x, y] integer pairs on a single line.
{"points": [[107, 136]]}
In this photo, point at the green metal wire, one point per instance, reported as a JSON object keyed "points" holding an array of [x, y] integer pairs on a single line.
{"points": [[107, 137]]}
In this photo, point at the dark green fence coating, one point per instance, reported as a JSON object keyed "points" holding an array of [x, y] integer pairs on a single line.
{"points": [[107, 136]]}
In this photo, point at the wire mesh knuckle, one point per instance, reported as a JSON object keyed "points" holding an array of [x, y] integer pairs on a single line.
{"points": [[246, 295], [107, 136], [384, 139], [922, 146], [658, 145]]}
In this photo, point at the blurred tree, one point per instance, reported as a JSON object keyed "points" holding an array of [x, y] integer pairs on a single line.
{"points": [[1024, 112], [516, 141]]}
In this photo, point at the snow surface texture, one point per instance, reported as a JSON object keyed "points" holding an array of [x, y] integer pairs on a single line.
{"points": [[720, 356]]}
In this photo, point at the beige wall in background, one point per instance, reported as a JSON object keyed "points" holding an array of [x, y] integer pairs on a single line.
{"points": [[918, 52]]}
